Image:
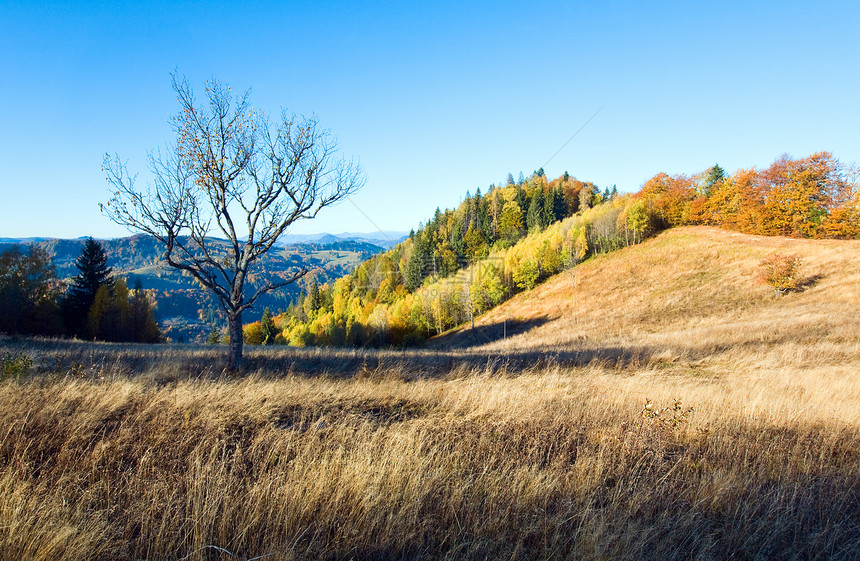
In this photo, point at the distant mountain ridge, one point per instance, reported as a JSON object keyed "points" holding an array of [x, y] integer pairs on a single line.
{"points": [[181, 305], [384, 238]]}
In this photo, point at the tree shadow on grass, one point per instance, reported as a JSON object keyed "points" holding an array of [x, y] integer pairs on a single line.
{"points": [[164, 364], [483, 334], [167, 364], [807, 282]]}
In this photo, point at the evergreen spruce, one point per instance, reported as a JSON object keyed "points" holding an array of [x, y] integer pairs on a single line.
{"points": [[713, 177], [549, 205], [93, 274], [267, 327], [214, 337], [535, 215], [559, 209]]}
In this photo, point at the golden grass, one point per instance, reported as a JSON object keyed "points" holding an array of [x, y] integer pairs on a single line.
{"points": [[692, 293], [504, 452], [558, 463]]}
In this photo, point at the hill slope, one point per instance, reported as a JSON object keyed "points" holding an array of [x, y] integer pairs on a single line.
{"points": [[688, 295]]}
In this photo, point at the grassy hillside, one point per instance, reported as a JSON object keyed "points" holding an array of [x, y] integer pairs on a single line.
{"points": [[665, 406], [690, 295]]}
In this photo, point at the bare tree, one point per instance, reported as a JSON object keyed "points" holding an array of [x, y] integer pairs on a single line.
{"points": [[230, 173]]}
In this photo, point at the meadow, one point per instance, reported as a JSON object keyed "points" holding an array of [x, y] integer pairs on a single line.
{"points": [[657, 405]]}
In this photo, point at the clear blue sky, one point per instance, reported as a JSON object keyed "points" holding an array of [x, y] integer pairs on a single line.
{"points": [[434, 100]]}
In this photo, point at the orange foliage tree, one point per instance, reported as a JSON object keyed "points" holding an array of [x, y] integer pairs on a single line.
{"points": [[671, 197]]}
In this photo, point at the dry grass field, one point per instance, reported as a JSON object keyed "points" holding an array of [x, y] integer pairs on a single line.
{"points": [[658, 405]]}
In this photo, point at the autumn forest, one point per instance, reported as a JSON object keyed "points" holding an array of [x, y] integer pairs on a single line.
{"points": [[466, 260]]}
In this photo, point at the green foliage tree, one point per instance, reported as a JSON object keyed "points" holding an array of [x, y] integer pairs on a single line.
{"points": [[267, 328], [713, 177], [28, 292], [526, 275], [535, 218], [93, 274], [312, 302], [553, 206], [214, 337], [419, 260]]}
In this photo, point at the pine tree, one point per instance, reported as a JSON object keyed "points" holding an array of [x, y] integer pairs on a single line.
{"points": [[535, 215], [549, 206], [713, 177], [522, 199], [485, 218], [267, 326], [214, 337], [415, 270], [93, 274], [312, 302], [559, 208]]}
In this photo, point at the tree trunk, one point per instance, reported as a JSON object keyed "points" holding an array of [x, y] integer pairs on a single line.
{"points": [[236, 341]]}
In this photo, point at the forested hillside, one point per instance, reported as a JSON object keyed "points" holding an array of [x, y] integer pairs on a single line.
{"points": [[467, 260], [186, 311]]}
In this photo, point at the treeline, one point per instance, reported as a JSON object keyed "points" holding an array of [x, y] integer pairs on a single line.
{"points": [[363, 309], [96, 305], [468, 260], [812, 197], [450, 269]]}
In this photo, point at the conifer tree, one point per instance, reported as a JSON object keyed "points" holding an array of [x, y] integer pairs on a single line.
{"points": [[713, 177], [93, 273], [417, 263], [559, 208], [535, 215], [267, 327], [214, 337], [549, 207]]}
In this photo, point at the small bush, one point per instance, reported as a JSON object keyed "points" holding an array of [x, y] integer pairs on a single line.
{"points": [[15, 365], [781, 272]]}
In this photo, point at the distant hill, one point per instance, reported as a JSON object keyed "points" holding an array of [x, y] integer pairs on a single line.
{"points": [[180, 303], [386, 239], [689, 292]]}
